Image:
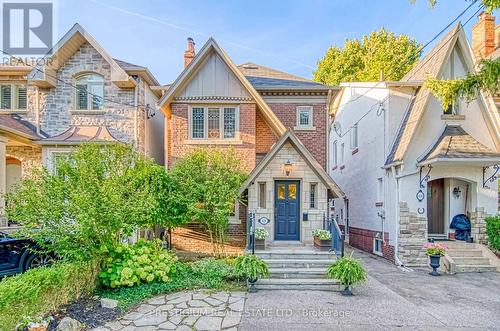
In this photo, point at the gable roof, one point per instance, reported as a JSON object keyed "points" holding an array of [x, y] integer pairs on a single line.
{"points": [[209, 47], [289, 136], [44, 75], [431, 65], [456, 143], [134, 69]]}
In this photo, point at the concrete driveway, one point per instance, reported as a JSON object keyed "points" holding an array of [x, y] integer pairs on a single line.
{"points": [[391, 299]]}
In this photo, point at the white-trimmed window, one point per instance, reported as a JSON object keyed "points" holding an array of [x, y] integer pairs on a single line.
{"points": [[213, 122], [13, 96], [56, 159], [262, 195], [313, 196], [342, 153], [304, 117], [380, 190], [334, 154], [354, 136], [89, 93], [377, 246]]}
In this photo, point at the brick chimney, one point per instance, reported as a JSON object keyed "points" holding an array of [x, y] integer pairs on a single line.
{"points": [[483, 36], [189, 53]]}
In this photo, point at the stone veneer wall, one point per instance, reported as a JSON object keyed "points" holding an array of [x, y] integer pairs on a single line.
{"points": [[478, 225], [412, 237], [30, 157]]}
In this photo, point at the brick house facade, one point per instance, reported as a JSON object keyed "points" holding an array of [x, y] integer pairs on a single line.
{"points": [[277, 114]]}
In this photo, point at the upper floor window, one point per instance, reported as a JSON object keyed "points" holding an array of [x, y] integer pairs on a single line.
{"points": [[342, 153], [334, 154], [89, 92], [214, 122], [13, 96], [304, 117], [452, 109], [354, 136]]}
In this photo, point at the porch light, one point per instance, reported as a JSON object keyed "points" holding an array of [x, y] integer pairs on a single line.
{"points": [[287, 167]]}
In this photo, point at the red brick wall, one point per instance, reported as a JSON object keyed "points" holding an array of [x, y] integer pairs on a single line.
{"points": [[315, 141], [363, 239], [178, 134], [265, 137]]}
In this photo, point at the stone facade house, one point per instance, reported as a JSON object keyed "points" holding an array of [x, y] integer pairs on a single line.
{"points": [[274, 121], [408, 166], [78, 93]]}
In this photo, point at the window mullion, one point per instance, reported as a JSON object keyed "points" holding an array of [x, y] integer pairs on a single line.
{"points": [[221, 123], [205, 121]]}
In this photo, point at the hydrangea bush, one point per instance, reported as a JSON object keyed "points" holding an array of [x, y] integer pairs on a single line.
{"points": [[142, 262], [261, 233]]}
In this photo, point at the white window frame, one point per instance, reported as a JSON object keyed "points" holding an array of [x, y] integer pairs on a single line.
{"points": [[89, 94], [14, 97], [354, 137], [221, 123], [335, 160], [313, 190], [309, 126], [375, 251], [260, 197], [380, 190], [50, 157], [342, 154]]}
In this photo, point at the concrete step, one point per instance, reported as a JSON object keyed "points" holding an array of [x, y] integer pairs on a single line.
{"points": [[458, 244], [297, 273], [295, 255], [465, 253], [471, 260], [475, 268], [298, 284], [298, 263]]}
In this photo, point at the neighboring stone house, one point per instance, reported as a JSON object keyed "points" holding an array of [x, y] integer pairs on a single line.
{"points": [[408, 166], [80, 94], [276, 122]]}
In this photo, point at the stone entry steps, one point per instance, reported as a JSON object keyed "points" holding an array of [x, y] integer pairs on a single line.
{"points": [[297, 268], [464, 257]]}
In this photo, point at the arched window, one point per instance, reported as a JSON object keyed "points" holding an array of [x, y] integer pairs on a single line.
{"points": [[89, 92]]}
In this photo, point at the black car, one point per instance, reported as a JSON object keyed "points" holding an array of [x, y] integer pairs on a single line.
{"points": [[20, 254]]}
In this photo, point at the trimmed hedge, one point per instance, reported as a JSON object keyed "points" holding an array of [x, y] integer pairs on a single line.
{"points": [[493, 231], [41, 291]]}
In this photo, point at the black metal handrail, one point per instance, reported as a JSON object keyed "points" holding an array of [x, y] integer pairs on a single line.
{"points": [[251, 233]]}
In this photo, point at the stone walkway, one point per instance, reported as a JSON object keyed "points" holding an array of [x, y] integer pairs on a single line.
{"points": [[184, 311]]}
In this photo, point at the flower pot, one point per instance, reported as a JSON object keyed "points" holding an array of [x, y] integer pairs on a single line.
{"points": [[260, 244], [322, 245], [252, 288], [38, 328], [434, 262], [347, 291]]}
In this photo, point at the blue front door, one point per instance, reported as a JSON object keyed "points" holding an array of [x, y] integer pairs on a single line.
{"points": [[286, 210]]}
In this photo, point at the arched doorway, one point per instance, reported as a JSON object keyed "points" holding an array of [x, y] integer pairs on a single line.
{"points": [[13, 172]]}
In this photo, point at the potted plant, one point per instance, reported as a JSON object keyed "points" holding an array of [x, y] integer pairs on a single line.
{"points": [[348, 271], [251, 267], [322, 239], [35, 323], [435, 251], [260, 238]]}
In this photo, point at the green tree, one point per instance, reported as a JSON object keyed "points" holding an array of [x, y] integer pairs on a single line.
{"points": [[379, 52], [208, 182], [98, 194], [489, 5]]}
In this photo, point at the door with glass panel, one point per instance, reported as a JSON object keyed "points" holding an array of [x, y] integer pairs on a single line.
{"points": [[286, 210]]}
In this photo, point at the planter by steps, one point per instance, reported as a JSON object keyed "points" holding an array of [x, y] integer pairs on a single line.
{"points": [[434, 263], [260, 244], [322, 245]]}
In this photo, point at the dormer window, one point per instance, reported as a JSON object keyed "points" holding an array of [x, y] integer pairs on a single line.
{"points": [[13, 97], [89, 92]]}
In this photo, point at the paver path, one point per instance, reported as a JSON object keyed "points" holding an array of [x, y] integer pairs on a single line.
{"points": [[194, 310]]}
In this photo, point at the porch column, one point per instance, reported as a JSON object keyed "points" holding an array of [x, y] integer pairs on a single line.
{"points": [[3, 179]]}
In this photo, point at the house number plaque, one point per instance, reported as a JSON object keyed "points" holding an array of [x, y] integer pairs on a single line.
{"points": [[264, 220]]}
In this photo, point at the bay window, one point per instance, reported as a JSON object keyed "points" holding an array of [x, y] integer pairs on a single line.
{"points": [[213, 122]]}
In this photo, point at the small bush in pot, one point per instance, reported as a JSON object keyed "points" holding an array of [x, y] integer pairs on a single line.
{"points": [[322, 239], [260, 238], [252, 268], [435, 251], [348, 271]]}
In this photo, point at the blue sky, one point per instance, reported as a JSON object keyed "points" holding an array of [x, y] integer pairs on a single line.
{"points": [[286, 35]]}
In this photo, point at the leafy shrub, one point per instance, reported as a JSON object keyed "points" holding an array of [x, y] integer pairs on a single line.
{"points": [[142, 262], [493, 231], [198, 275], [321, 234], [98, 194], [347, 271], [261, 233], [42, 290], [250, 267]]}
